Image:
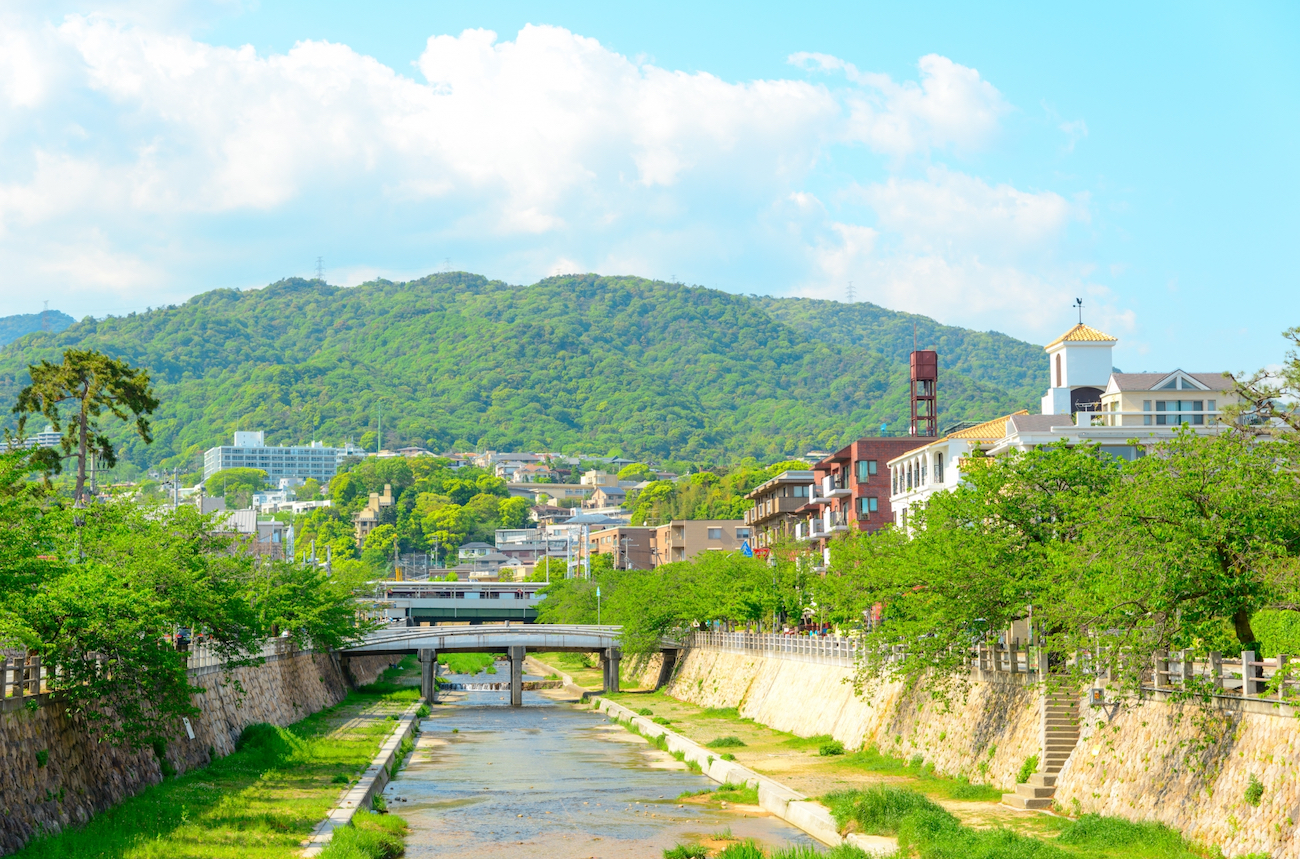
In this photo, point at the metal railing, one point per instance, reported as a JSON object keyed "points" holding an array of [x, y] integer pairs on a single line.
{"points": [[1249, 679]]}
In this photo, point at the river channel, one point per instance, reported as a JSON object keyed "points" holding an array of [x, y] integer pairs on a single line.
{"points": [[546, 780]]}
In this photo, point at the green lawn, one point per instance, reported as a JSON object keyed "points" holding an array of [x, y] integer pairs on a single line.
{"points": [[260, 802]]}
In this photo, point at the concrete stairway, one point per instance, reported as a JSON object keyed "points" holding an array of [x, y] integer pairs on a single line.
{"points": [[1060, 734]]}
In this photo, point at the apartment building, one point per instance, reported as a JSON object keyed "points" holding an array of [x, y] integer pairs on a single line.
{"points": [[251, 451], [776, 507], [683, 539], [851, 488], [629, 546]]}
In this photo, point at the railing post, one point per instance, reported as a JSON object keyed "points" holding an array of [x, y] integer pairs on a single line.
{"points": [[1013, 651], [4, 677], [1247, 674], [1216, 670], [1161, 670], [1281, 676]]}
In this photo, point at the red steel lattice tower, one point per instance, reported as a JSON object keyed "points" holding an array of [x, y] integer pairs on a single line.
{"points": [[925, 381]]}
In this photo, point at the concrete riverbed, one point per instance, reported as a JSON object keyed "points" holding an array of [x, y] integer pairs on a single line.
{"points": [[551, 780]]}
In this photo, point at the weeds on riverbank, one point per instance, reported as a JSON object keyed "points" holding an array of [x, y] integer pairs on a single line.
{"points": [[750, 849], [371, 836], [259, 802], [924, 828], [468, 663], [873, 760]]}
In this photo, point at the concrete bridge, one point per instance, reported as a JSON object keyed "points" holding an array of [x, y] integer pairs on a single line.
{"points": [[515, 640]]}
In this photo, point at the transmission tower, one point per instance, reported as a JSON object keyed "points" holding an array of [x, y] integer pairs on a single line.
{"points": [[850, 292], [45, 317], [320, 269]]}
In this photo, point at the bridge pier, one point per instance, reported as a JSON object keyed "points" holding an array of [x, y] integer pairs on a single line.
{"points": [[516, 675], [609, 660], [429, 675]]}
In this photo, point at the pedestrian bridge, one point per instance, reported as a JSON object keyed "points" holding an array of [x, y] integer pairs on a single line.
{"points": [[512, 639]]}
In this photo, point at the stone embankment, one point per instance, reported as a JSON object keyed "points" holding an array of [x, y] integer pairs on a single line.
{"points": [[1186, 766], [54, 774]]}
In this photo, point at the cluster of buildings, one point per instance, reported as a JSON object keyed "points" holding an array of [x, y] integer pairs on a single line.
{"points": [[878, 481]]}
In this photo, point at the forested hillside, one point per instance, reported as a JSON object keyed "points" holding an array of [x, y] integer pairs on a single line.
{"points": [[582, 363], [13, 327]]}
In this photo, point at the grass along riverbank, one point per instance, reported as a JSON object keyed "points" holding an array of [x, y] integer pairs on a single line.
{"points": [[880, 794], [261, 801]]}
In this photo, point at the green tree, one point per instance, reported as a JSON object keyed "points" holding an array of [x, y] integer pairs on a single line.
{"points": [[636, 471], [309, 491], [378, 549], [92, 383], [235, 480], [1271, 398]]}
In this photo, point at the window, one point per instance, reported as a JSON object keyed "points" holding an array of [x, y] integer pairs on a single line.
{"points": [[1059, 383], [800, 490], [1146, 407], [742, 533], [1163, 407], [715, 533], [868, 505], [938, 468]]}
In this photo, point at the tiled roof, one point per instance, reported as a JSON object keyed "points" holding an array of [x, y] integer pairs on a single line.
{"points": [[1148, 381], [996, 428], [1083, 333], [1039, 423]]}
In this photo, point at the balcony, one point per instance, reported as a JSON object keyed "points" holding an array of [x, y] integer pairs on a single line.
{"points": [[1205, 417], [833, 486], [836, 521]]}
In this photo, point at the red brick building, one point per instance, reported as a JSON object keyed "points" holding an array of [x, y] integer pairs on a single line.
{"points": [[851, 488]]}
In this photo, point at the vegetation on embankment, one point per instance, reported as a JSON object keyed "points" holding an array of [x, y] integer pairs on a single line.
{"points": [[261, 801], [878, 794], [467, 663]]}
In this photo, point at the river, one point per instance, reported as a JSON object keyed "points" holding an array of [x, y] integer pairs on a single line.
{"points": [[546, 780]]}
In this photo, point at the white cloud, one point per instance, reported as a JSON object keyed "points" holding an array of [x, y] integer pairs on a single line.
{"points": [[950, 107], [949, 209], [146, 155]]}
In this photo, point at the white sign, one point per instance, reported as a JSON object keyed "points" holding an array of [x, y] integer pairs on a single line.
{"points": [[188, 729]]}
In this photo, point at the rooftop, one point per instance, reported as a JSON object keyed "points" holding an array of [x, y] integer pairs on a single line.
{"points": [[1083, 334]]}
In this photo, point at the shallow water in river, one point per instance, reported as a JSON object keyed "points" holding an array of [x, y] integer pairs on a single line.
{"points": [[545, 780]]}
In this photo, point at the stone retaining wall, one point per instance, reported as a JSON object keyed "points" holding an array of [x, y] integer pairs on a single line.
{"points": [[984, 732], [81, 777], [1182, 765]]}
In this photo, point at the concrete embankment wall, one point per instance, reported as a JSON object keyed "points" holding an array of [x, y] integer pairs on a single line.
{"points": [[1181, 765], [81, 777]]}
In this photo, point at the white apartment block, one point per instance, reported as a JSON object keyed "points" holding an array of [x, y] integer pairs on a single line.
{"points": [[251, 451]]}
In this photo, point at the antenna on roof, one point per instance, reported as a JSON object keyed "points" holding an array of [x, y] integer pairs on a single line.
{"points": [[1078, 303]]}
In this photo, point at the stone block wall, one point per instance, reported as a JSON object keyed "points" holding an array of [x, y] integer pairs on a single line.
{"points": [[984, 732], [81, 777], [1183, 765]]}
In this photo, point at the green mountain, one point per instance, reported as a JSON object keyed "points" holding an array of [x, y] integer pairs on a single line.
{"points": [[584, 363], [13, 327]]}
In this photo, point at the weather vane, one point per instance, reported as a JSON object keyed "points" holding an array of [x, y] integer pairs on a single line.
{"points": [[1078, 303]]}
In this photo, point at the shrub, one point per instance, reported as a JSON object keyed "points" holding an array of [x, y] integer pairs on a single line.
{"points": [[1254, 791], [42, 758], [423, 711], [265, 744], [1106, 833], [645, 711], [369, 837], [727, 742], [834, 747], [687, 851], [727, 756], [1028, 768], [660, 720], [747, 849]]}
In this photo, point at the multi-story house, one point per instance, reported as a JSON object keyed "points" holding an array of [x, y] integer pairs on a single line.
{"points": [[365, 519], [1125, 414], [776, 507], [683, 539]]}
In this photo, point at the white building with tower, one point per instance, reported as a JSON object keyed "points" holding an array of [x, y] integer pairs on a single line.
{"points": [[1125, 414]]}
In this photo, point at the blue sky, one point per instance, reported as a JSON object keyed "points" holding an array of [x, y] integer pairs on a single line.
{"points": [[983, 164]]}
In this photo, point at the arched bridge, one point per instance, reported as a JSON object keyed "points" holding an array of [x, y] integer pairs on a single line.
{"points": [[512, 639]]}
